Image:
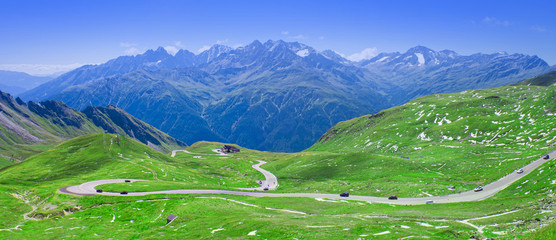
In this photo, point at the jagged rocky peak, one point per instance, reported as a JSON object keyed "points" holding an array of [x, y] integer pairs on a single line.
{"points": [[154, 55], [419, 49], [213, 52], [6, 97], [20, 101], [419, 56]]}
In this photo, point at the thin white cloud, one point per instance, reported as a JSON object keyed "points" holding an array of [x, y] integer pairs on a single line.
{"points": [[367, 53], [298, 37], [496, 22], [128, 44], [175, 48], [132, 51], [537, 28], [321, 38], [40, 69], [171, 49], [178, 44], [285, 32], [221, 42], [203, 48]]}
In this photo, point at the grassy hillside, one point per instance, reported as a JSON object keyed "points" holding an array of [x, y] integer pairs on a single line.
{"points": [[445, 143], [542, 80]]}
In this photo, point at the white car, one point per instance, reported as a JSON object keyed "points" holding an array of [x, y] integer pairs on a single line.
{"points": [[478, 189], [519, 171]]}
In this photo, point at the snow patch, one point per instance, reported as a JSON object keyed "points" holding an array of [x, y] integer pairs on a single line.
{"points": [[303, 53], [425, 224], [420, 58], [381, 233], [423, 137], [382, 59]]}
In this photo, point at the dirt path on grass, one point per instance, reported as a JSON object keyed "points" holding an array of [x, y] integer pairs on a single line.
{"points": [[480, 228], [489, 190]]}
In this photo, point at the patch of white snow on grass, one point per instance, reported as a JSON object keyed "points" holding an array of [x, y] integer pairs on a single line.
{"points": [[381, 233], [423, 137], [425, 224]]}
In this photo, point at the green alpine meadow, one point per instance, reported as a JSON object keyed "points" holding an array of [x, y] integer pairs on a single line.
{"points": [[432, 146]]}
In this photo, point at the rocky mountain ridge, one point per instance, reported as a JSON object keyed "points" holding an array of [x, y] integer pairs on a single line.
{"points": [[276, 95], [27, 126]]}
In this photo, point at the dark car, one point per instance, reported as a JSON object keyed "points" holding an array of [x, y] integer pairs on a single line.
{"points": [[393, 197], [266, 189], [546, 156], [99, 190], [124, 193], [478, 189], [344, 194], [127, 180]]}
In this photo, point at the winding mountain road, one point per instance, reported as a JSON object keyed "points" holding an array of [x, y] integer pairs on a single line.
{"points": [[88, 188], [270, 182]]}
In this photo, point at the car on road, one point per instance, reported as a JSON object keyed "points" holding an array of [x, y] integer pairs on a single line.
{"points": [[429, 202], [478, 189], [344, 194], [546, 156], [519, 171], [127, 180], [123, 193], [266, 189], [99, 190], [393, 197]]}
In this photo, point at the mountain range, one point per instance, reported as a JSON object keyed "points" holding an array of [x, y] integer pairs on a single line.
{"points": [[276, 95], [18, 82]]}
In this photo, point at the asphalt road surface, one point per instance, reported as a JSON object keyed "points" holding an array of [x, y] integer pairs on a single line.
{"points": [[270, 182], [489, 190]]}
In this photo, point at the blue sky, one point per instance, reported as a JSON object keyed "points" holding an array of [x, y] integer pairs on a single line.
{"points": [[57, 34]]}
